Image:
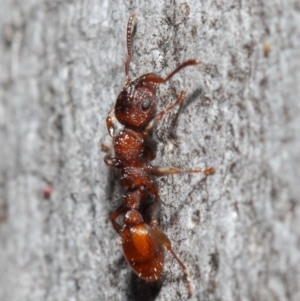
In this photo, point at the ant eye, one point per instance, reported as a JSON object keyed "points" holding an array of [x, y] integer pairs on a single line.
{"points": [[146, 104]]}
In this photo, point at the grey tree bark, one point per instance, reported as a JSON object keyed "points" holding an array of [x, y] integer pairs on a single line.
{"points": [[62, 67]]}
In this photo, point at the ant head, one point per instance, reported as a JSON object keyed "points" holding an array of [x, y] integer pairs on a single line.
{"points": [[133, 218], [136, 103]]}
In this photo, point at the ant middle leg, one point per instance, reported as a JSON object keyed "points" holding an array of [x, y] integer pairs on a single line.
{"points": [[164, 171]]}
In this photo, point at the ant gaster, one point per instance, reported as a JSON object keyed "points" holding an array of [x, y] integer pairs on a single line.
{"points": [[142, 241]]}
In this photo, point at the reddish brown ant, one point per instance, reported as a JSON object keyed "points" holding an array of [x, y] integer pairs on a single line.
{"points": [[142, 241]]}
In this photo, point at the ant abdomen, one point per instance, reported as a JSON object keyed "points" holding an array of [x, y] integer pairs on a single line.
{"points": [[143, 250]]}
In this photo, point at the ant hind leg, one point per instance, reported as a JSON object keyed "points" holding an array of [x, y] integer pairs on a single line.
{"points": [[113, 217], [163, 238]]}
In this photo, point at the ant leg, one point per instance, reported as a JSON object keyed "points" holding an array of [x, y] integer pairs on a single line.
{"points": [[159, 117], [110, 122], [167, 243], [150, 147], [111, 161], [159, 80], [163, 171], [129, 53], [121, 209], [153, 212], [105, 148], [154, 191]]}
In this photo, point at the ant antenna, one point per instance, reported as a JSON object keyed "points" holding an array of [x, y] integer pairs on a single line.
{"points": [[129, 53]]}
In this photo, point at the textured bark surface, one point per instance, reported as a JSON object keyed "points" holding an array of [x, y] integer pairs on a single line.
{"points": [[62, 67]]}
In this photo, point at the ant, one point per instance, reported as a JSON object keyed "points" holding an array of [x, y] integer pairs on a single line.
{"points": [[143, 242]]}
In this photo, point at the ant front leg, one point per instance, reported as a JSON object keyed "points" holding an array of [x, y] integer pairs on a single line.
{"points": [[105, 148], [110, 122], [159, 116], [150, 147], [112, 161], [163, 238]]}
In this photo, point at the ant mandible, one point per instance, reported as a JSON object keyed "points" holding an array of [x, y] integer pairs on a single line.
{"points": [[143, 242]]}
